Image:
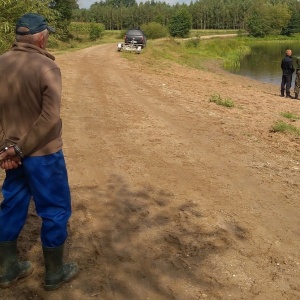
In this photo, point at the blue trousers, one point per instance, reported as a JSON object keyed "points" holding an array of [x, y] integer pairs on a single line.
{"points": [[45, 179]]}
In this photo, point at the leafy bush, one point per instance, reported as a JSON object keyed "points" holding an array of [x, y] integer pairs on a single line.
{"points": [[192, 43], [82, 30], [96, 31], [52, 42], [79, 27], [154, 30]]}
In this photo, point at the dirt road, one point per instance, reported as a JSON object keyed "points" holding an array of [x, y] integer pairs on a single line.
{"points": [[174, 197]]}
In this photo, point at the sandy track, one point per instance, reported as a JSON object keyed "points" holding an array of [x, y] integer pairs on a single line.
{"points": [[174, 197]]}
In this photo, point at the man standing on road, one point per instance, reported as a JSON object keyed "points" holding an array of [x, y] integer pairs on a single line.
{"points": [[32, 157], [287, 73]]}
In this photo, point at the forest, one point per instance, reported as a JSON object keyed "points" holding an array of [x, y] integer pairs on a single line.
{"points": [[258, 16]]}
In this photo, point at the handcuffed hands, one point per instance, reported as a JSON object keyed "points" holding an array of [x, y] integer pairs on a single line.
{"points": [[9, 159]]}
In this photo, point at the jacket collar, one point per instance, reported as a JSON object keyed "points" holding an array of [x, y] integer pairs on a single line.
{"points": [[30, 48]]}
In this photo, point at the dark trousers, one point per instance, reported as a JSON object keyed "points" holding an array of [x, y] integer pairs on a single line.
{"points": [[286, 82]]}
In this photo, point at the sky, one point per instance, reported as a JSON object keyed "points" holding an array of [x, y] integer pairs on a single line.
{"points": [[88, 3]]}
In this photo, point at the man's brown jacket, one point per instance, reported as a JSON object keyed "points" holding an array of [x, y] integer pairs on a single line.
{"points": [[30, 100]]}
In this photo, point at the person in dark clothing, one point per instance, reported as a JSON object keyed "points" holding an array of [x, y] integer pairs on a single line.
{"points": [[287, 73]]}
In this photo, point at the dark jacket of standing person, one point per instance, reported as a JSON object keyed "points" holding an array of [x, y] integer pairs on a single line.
{"points": [[31, 155], [287, 73], [287, 65]]}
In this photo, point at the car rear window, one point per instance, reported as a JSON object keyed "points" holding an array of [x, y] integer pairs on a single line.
{"points": [[134, 32]]}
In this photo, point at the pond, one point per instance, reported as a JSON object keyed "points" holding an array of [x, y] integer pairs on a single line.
{"points": [[263, 62]]}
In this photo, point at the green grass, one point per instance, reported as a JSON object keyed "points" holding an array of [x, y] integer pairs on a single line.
{"points": [[216, 98], [281, 126], [290, 116], [197, 52], [194, 52], [284, 127]]}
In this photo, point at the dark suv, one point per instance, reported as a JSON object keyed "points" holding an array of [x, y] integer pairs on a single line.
{"points": [[135, 36]]}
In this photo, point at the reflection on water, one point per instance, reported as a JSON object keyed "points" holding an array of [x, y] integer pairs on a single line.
{"points": [[263, 62]]}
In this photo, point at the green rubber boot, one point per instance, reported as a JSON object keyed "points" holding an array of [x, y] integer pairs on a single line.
{"points": [[57, 273], [10, 268]]}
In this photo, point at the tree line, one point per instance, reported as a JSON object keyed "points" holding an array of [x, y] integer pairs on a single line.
{"points": [[258, 17]]}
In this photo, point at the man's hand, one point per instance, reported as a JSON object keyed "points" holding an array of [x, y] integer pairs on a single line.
{"points": [[9, 164], [9, 159]]}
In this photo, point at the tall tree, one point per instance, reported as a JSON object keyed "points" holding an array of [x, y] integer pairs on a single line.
{"points": [[261, 21], [180, 24], [64, 9], [294, 24]]}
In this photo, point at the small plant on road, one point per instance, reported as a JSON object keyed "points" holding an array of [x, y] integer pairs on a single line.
{"points": [[284, 127], [216, 98], [290, 116]]}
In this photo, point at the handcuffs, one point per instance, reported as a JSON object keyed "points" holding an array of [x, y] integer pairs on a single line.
{"points": [[16, 148]]}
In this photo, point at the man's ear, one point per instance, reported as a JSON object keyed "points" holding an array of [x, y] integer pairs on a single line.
{"points": [[41, 41]]}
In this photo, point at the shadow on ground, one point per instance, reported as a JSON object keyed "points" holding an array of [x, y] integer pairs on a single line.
{"points": [[131, 243]]}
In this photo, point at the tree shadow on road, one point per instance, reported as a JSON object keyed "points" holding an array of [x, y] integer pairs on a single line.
{"points": [[146, 244], [134, 243]]}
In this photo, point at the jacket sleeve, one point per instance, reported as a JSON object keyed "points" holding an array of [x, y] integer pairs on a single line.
{"points": [[48, 125], [2, 137], [291, 67]]}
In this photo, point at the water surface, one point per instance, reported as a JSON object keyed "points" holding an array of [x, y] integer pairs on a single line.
{"points": [[263, 62]]}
